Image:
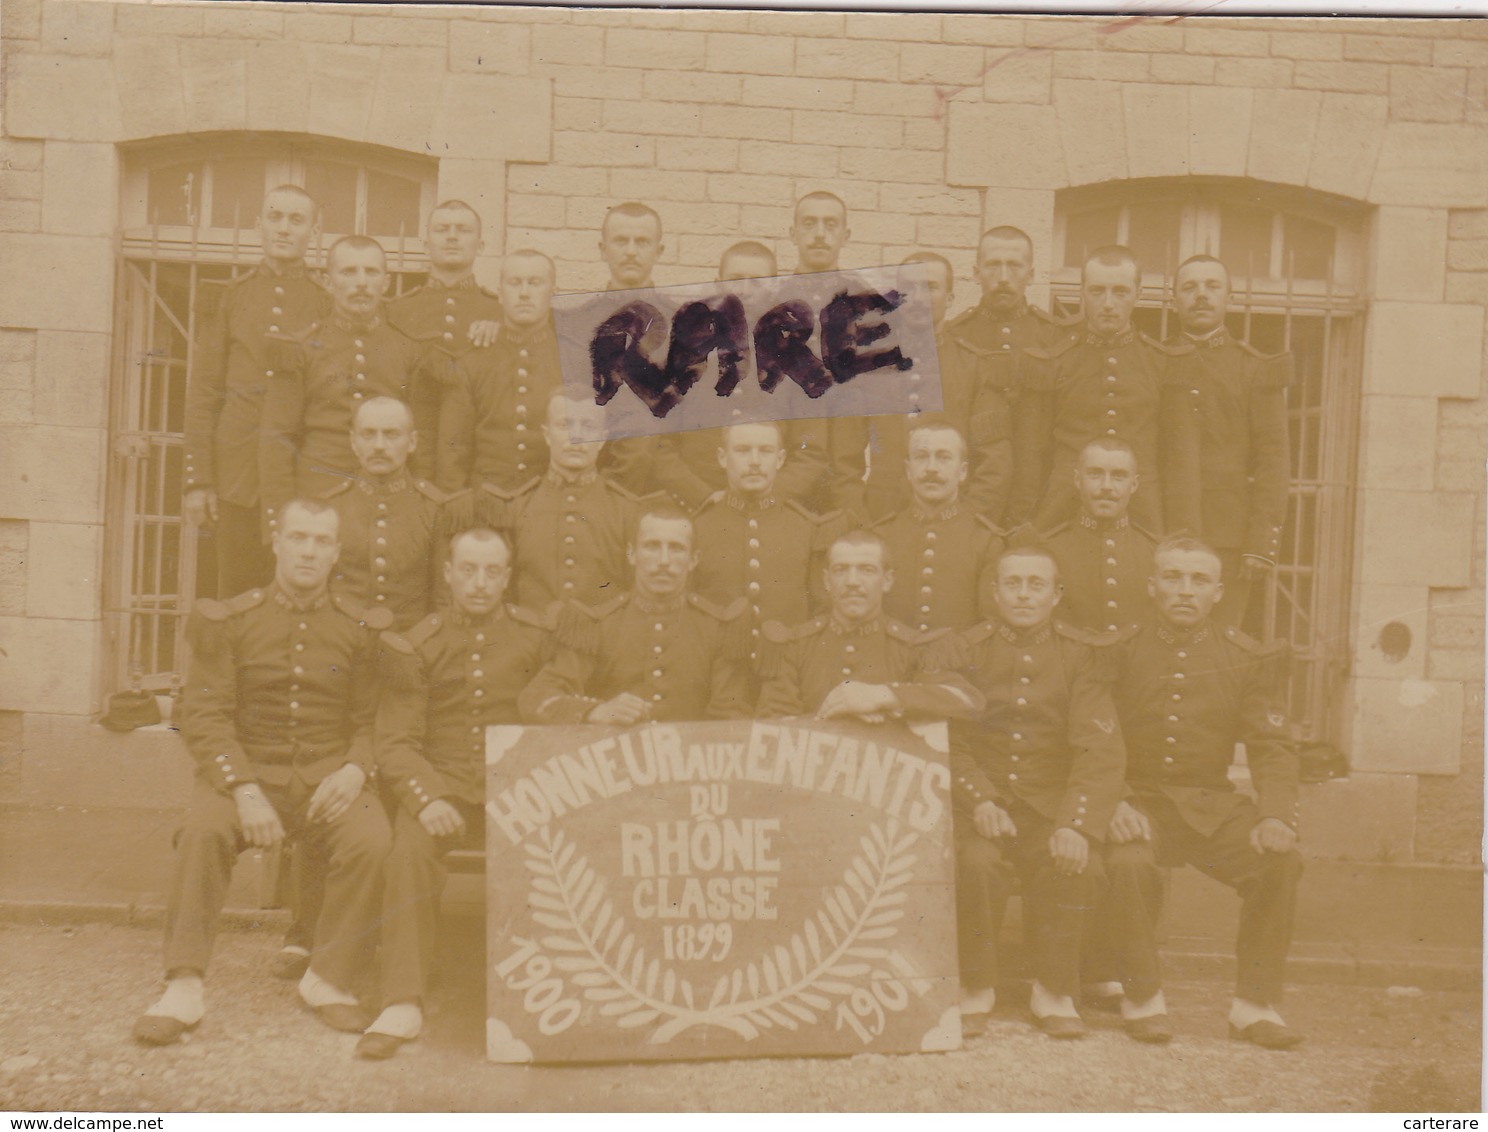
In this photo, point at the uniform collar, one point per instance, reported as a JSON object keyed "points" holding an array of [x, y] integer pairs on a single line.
{"points": [[1216, 338], [384, 487], [1091, 523], [268, 270], [648, 604], [1125, 338], [861, 629], [1015, 637], [355, 326], [525, 335], [996, 319], [1178, 640], [462, 620], [949, 511], [741, 503], [466, 282], [284, 600], [557, 477]]}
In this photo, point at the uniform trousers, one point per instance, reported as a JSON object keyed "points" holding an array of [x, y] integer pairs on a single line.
{"points": [[244, 560], [355, 845], [1124, 943], [412, 888], [1055, 907], [1232, 608]]}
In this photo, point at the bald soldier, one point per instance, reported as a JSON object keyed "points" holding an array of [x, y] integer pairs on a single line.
{"points": [[450, 299]]}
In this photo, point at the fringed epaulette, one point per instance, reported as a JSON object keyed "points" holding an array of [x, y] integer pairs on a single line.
{"points": [[709, 504], [578, 624], [206, 628], [399, 664], [377, 617], [1084, 636], [730, 612], [340, 489], [952, 652], [525, 616], [514, 493], [1054, 349], [776, 638]]}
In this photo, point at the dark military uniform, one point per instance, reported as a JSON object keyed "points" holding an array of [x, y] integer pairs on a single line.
{"points": [[1185, 699], [1089, 386], [686, 657], [445, 682], [1243, 456], [686, 466], [987, 331], [1104, 567], [390, 544], [320, 378], [804, 663], [444, 311], [282, 696], [1048, 751], [224, 405], [945, 566], [494, 409]]}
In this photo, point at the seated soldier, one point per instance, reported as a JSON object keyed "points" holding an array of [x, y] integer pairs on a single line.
{"points": [[655, 653], [1035, 779], [951, 551], [277, 710], [1188, 691], [855, 661], [452, 675], [1104, 558]]}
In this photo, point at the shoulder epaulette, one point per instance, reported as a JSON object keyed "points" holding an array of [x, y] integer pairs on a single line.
{"points": [[529, 617], [1128, 633], [932, 636], [340, 489], [248, 599], [603, 609], [1043, 315], [515, 493], [1052, 351], [901, 632], [378, 617], [977, 633], [777, 632], [1084, 636], [962, 318], [721, 612], [810, 515], [1251, 645], [885, 521], [709, 503], [622, 491], [1174, 348], [212, 609], [405, 295], [577, 625], [430, 492], [396, 642], [996, 531], [426, 628]]}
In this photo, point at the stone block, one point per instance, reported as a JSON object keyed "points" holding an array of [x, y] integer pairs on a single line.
{"points": [[698, 153], [901, 27], [984, 30], [607, 149], [1004, 145], [1468, 255], [1427, 94], [1203, 38], [567, 45], [1142, 33], [1283, 123], [14, 537], [1365, 817], [1464, 287], [788, 93], [20, 215], [502, 49], [600, 82], [1431, 349], [957, 232], [317, 27], [70, 167], [878, 165], [23, 19], [16, 153], [147, 74], [1198, 69], [20, 184], [279, 76], [410, 82], [640, 47], [214, 77], [72, 378], [747, 122], [77, 28], [1092, 130], [1219, 131], [475, 118], [63, 570], [68, 284], [1029, 209], [1263, 74], [1405, 727], [53, 474], [1431, 166], [1410, 252], [1347, 78], [1018, 76], [1415, 538], [829, 127], [41, 95], [1112, 66], [389, 31], [1387, 48], [791, 160], [49, 665], [72, 761], [1396, 431], [750, 54], [848, 59], [245, 21], [1351, 129], [1306, 45], [1391, 638], [651, 117], [946, 64], [1157, 130], [828, 24], [342, 86], [673, 86]]}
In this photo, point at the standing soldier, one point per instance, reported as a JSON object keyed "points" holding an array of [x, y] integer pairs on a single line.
{"points": [[1104, 558], [322, 375], [1036, 778], [224, 401], [947, 554], [1243, 474], [1004, 321], [448, 679], [855, 661], [277, 710], [1107, 379], [450, 300], [630, 244], [655, 653], [1188, 692], [496, 398]]}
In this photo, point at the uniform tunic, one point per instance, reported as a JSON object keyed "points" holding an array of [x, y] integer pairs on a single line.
{"points": [[944, 566], [1104, 567], [444, 311]]}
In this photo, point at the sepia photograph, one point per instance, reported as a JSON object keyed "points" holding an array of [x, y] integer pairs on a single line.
{"points": [[638, 559]]}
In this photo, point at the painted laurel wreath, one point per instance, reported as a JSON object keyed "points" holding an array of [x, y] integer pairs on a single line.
{"points": [[788, 986]]}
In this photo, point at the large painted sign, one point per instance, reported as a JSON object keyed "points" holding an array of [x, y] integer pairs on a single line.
{"points": [[727, 889]]}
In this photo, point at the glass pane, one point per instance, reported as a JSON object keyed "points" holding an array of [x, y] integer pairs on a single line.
{"points": [[1086, 231], [1307, 248], [1152, 235], [1245, 240], [334, 185], [392, 205], [175, 194], [238, 185]]}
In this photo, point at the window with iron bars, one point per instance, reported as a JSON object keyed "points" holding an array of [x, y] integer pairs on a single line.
{"points": [[188, 216], [1295, 261]]}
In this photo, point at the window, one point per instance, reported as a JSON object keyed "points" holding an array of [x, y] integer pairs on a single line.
{"points": [[1294, 261], [188, 216]]}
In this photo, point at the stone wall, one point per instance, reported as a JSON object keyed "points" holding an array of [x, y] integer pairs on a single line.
{"points": [[931, 126]]}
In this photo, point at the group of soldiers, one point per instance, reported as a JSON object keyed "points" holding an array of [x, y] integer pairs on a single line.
{"points": [[413, 545]]}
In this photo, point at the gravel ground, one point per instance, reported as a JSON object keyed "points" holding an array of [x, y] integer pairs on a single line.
{"points": [[69, 995]]}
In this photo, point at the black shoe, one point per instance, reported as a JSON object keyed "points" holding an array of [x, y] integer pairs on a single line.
{"points": [[378, 1047], [290, 963], [347, 1019], [1267, 1035], [160, 1029], [1155, 1029], [1061, 1026]]}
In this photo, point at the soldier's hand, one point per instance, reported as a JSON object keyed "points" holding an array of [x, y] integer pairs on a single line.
{"points": [[441, 819], [335, 794], [853, 697], [200, 506], [1070, 850], [484, 332], [993, 821], [625, 709], [257, 817], [1272, 835], [1253, 567], [1128, 824]]}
